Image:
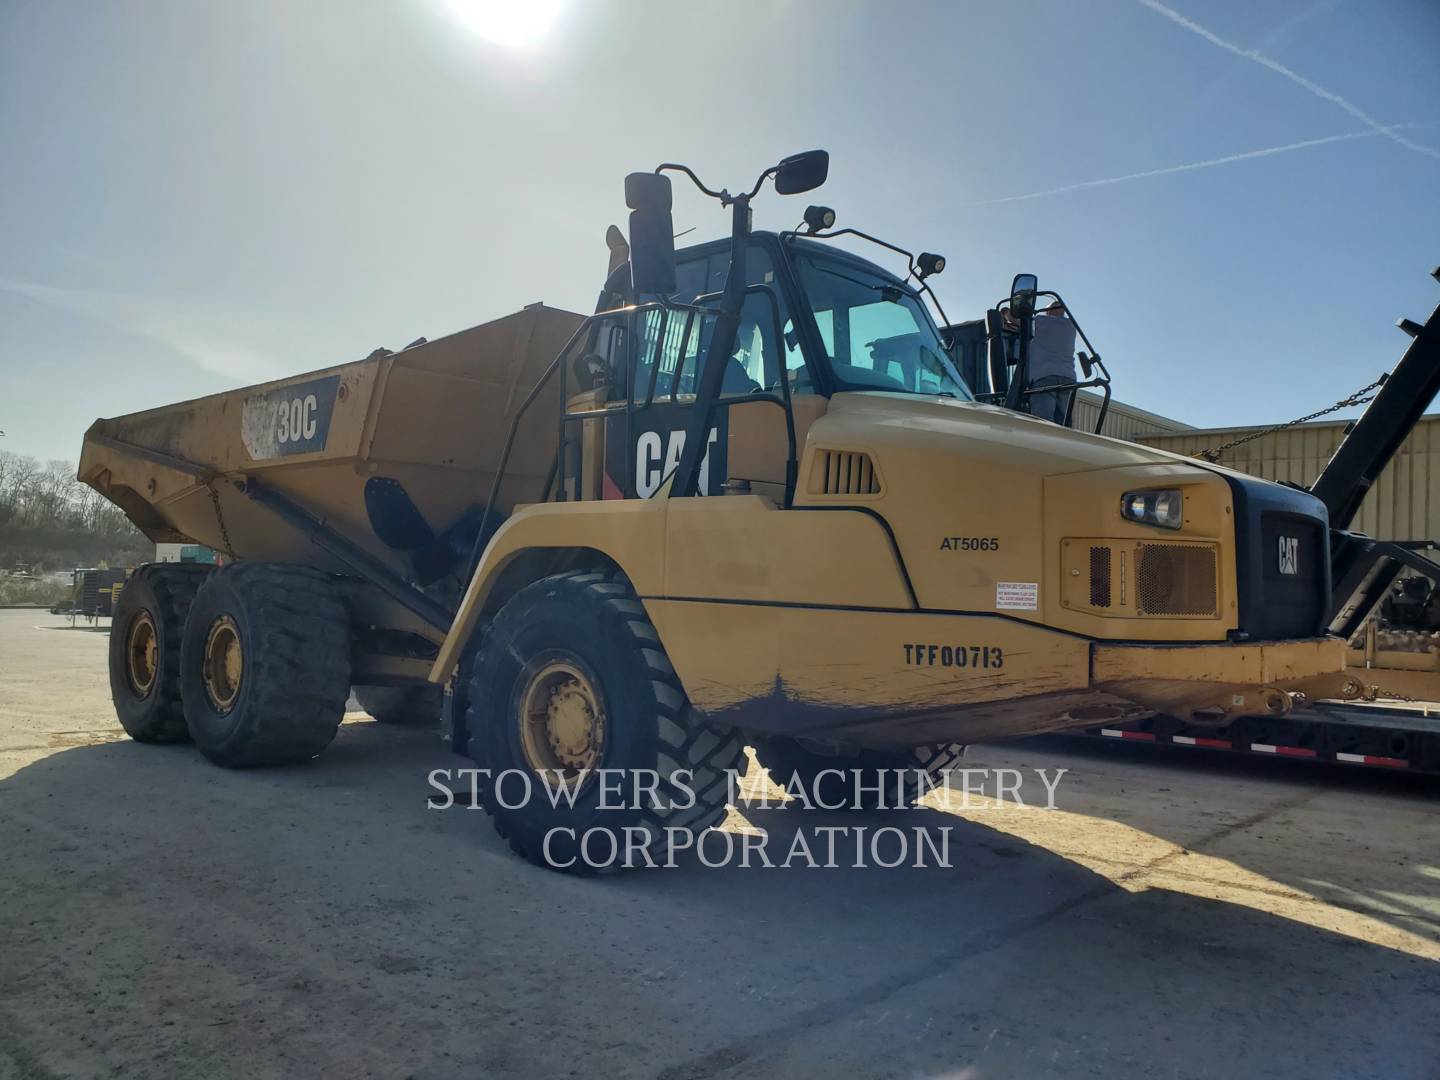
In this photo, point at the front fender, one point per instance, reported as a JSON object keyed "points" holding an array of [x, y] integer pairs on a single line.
{"points": [[630, 532]]}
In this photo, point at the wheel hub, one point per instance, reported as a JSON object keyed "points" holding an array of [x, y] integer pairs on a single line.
{"points": [[142, 654], [224, 664], [562, 719]]}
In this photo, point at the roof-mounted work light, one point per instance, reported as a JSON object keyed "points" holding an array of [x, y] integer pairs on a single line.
{"points": [[929, 263], [818, 218]]}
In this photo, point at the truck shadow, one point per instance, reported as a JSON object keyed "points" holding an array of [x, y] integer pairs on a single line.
{"points": [[1362, 840], [162, 913]]}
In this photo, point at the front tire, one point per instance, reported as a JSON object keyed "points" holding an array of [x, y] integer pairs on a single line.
{"points": [[857, 779], [265, 664], [145, 635], [570, 678]]}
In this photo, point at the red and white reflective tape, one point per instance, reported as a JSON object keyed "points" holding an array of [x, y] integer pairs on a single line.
{"points": [[1374, 759], [1199, 740], [1259, 748], [1287, 751]]}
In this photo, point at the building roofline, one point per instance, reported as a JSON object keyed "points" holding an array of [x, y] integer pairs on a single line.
{"points": [[1267, 427], [1137, 412]]}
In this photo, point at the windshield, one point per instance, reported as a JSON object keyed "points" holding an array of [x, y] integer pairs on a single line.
{"points": [[876, 332]]}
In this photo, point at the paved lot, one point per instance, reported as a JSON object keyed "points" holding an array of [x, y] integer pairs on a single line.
{"points": [[1179, 916]]}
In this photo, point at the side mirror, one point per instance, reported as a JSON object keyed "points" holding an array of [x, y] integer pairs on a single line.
{"points": [[1022, 294], [652, 234], [802, 172]]}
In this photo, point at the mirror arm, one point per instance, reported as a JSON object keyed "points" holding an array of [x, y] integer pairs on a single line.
{"points": [[761, 180], [671, 166]]}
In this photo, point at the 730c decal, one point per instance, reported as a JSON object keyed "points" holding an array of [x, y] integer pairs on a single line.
{"points": [[961, 656]]}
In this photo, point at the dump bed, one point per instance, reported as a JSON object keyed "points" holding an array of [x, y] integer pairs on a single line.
{"points": [[426, 424]]}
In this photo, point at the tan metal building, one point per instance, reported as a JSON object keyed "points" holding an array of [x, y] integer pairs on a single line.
{"points": [[1121, 421], [1403, 505]]}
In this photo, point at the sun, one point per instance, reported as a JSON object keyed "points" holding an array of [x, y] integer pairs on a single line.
{"points": [[513, 24]]}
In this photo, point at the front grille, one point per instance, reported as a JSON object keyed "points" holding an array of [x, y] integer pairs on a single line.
{"points": [[1175, 579], [845, 472], [1100, 577], [1275, 604], [1295, 598]]}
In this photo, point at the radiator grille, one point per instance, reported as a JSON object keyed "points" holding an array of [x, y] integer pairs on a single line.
{"points": [[847, 472], [1175, 579], [1100, 577]]}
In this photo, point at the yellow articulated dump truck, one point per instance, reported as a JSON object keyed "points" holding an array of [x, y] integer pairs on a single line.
{"points": [[748, 501]]}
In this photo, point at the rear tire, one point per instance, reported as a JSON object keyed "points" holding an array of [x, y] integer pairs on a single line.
{"points": [[571, 674], [145, 635], [265, 664], [904, 773], [402, 706]]}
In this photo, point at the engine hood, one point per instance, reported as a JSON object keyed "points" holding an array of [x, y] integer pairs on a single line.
{"points": [[982, 503], [992, 433]]}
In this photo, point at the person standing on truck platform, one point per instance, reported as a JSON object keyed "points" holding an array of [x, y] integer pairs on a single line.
{"points": [[1052, 363]]}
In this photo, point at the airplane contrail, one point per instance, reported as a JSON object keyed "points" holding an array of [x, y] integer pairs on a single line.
{"points": [[1298, 79], [1209, 163]]}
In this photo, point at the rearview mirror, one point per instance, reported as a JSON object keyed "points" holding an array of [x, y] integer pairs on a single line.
{"points": [[1022, 294], [652, 234], [802, 172]]}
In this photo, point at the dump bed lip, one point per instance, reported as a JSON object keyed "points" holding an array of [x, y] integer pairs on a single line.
{"points": [[301, 376], [156, 410]]}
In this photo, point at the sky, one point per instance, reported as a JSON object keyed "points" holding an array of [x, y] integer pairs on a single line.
{"points": [[1237, 199]]}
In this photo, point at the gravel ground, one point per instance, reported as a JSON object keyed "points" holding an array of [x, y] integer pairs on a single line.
{"points": [[1177, 915]]}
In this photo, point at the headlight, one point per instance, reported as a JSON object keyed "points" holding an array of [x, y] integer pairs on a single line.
{"points": [[1162, 508]]}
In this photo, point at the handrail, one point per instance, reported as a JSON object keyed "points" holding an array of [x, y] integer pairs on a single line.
{"points": [[530, 398], [632, 407], [500, 470]]}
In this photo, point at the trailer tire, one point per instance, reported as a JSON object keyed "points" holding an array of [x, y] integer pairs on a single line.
{"points": [[905, 773], [265, 664], [145, 635], [402, 706], [583, 639]]}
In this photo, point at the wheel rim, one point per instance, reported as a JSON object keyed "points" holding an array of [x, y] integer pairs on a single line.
{"points": [[562, 719], [224, 664], [142, 654]]}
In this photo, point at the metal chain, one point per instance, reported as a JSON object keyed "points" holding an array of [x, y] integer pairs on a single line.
{"points": [[1359, 397], [1373, 693], [220, 517]]}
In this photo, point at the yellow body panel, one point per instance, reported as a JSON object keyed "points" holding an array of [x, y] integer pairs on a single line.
{"points": [[861, 614]]}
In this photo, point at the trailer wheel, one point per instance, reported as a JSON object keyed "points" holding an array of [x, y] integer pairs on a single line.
{"points": [[265, 664], [145, 650], [571, 678], [904, 773], [402, 706]]}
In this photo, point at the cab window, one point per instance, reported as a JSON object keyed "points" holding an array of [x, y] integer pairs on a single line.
{"points": [[756, 361], [875, 331]]}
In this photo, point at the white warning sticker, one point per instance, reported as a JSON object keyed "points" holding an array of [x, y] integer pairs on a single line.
{"points": [[1017, 596]]}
